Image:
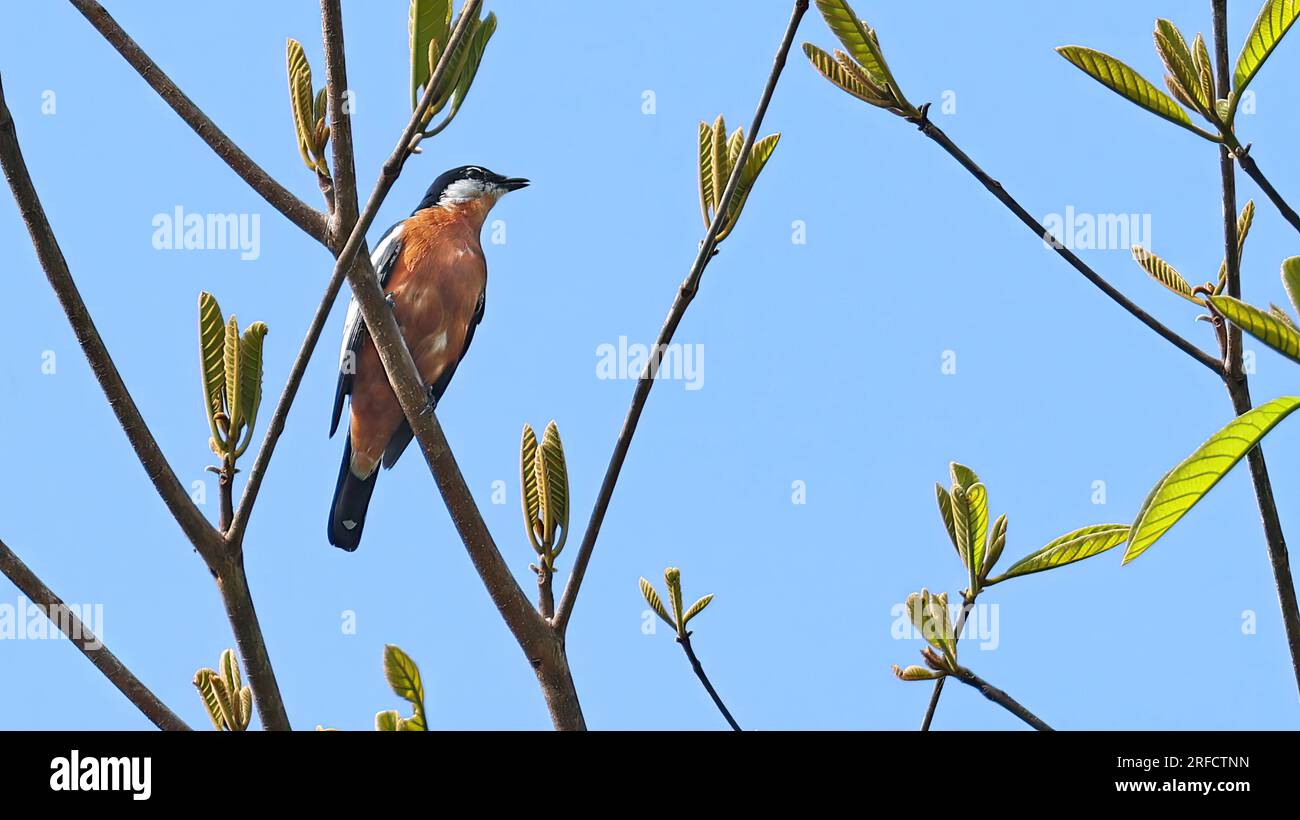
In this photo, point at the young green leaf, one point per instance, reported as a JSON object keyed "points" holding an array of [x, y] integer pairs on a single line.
{"points": [[842, 76], [652, 598], [721, 170], [387, 721], [1195, 476], [203, 682], [250, 377], [1204, 73], [233, 404], [528, 485], [1274, 20], [556, 490], [696, 608], [860, 41], [1164, 273], [301, 101], [428, 21], [482, 32], [1126, 82], [212, 350], [759, 154], [404, 677], [997, 541], [977, 507], [1244, 220], [1291, 280], [1177, 57], [1073, 546], [916, 673], [706, 172], [673, 580], [962, 475], [946, 513], [1269, 329]]}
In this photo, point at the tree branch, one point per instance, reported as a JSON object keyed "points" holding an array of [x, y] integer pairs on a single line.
{"points": [[685, 294], [94, 650], [1248, 164], [207, 541], [192, 522], [340, 122], [313, 222], [1001, 699], [1234, 376], [685, 641], [994, 187]]}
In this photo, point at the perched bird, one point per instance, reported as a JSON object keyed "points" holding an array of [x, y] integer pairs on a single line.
{"points": [[431, 268]]}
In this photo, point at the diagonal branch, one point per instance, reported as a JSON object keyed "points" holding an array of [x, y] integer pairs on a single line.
{"points": [[226, 566], [685, 641], [105, 661], [685, 294], [1001, 699], [195, 526], [279, 197]]}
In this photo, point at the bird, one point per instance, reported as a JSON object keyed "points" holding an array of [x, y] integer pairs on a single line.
{"points": [[433, 272]]}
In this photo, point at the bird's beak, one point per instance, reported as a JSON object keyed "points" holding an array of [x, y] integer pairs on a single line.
{"points": [[513, 183]]}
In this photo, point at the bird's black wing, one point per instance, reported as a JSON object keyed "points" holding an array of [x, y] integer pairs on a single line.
{"points": [[398, 443], [384, 259]]}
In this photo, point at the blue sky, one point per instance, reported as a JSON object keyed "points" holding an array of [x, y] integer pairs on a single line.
{"points": [[822, 365]]}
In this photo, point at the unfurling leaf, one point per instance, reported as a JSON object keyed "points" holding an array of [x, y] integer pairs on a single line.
{"points": [[212, 351], [673, 580], [652, 598], [403, 676], [1291, 280], [528, 486], [387, 721], [1244, 220], [843, 76], [428, 20], [1276, 332], [1275, 19], [1073, 546], [203, 682], [916, 673], [862, 45], [1164, 273], [250, 379], [997, 541], [555, 489], [1177, 57], [946, 513], [303, 104], [719, 153], [696, 608], [1188, 482], [234, 407], [929, 614]]}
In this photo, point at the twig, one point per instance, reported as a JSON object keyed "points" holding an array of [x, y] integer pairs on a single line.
{"points": [[1234, 377], [685, 641], [685, 294], [994, 187], [968, 603], [279, 197], [94, 650], [1248, 164], [344, 214], [206, 540], [1001, 699]]}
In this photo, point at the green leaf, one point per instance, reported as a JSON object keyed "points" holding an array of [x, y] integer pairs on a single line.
{"points": [[1204, 73], [528, 484], [301, 101], [1164, 273], [1269, 329], [1126, 82], [387, 721], [860, 41], [1188, 482], [915, 672], [1274, 20], [977, 505], [696, 608], [404, 677], [556, 491], [1177, 57], [250, 377], [1244, 220], [203, 682], [652, 598], [997, 541], [673, 580], [759, 154], [962, 475], [842, 76], [946, 513], [477, 45], [706, 172], [721, 170], [212, 348], [1291, 280], [233, 403], [1073, 546], [428, 20]]}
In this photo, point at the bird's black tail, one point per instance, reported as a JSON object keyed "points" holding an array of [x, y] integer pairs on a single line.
{"points": [[351, 498]]}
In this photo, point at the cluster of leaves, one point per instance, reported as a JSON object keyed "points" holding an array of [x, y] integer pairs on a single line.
{"points": [[861, 69], [964, 509], [309, 109], [228, 704], [718, 156], [1191, 79], [680, 617], [429, 29], [232, 378], [544, 482]]}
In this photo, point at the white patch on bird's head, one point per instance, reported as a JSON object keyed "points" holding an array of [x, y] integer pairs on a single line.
{"points": [[468, 190]]}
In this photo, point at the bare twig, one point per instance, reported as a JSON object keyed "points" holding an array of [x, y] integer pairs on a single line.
{"points": [[685, 641], [344, 215], [279, 197], [685, 294], [1248, 164], [94, 650], [994, 187], [1001, 699], [1234, 376]]}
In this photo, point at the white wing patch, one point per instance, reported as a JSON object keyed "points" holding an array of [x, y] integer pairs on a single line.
{"points": [[352, 322]]}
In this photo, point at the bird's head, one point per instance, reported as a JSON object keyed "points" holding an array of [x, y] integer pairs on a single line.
{"points": [[469, 185]]}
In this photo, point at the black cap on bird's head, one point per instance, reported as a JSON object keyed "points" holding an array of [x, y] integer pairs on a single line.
{"points": [[468, 183]]}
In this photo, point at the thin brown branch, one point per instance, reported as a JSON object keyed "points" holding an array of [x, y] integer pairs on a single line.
{"points": [[313, 222], [1252, 169], [994, 187], [1234, 376], [105, 661], [209, 543], [685, 641], [685, 294], [196, 528], [232, 581], [1001, 699], [344, 214]]}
